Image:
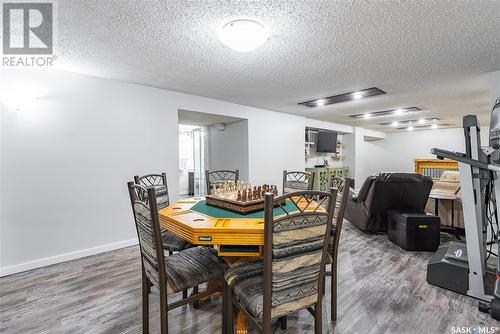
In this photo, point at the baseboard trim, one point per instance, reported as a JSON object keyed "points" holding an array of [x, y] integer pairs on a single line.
{"points": [[18, 268]]}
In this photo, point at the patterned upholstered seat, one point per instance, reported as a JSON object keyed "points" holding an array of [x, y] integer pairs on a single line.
{"points": [[185, 269], [297, 181], [245, 278], [171, 242], [192, 267], [296, 185]]}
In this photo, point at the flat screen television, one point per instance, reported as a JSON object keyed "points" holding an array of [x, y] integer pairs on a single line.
{"points": [[327, 141]]}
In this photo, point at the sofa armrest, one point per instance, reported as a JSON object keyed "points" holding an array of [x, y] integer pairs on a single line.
{"points": [[356, 213]]}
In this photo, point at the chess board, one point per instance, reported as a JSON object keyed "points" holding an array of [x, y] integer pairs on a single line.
{"points": [[229, 198]]}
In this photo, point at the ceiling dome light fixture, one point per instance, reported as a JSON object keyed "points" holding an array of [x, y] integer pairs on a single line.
{"points": [[243, 35]]}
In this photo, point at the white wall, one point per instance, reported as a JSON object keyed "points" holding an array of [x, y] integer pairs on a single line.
{"points": [[397, 152], [229, 148], [355, 155], [494, 87], [66, 158]]}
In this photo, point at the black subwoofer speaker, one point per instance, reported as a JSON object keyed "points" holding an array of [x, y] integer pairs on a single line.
{"points": [[414, 231]]}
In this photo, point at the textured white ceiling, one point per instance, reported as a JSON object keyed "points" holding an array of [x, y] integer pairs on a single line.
{"points": [[429, 54]]}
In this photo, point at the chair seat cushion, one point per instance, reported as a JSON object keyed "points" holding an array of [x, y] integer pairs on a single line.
{"points": [[245, 278], [297, 185], [173, 243], [192, 267]]}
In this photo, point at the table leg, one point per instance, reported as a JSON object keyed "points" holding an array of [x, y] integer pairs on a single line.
{"points": [[241, 323], [436, 211], [211, 285]]}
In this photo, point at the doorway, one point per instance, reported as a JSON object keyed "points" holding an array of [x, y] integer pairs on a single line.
{"points": [[192, 160], [209, 142]]}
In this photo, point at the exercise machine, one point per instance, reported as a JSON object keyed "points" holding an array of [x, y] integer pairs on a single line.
{"points": [[468, 267]]}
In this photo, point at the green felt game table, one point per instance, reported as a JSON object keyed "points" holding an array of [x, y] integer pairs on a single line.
{"points": [[231, 233]]}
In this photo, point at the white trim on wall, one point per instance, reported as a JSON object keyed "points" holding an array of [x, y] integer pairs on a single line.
{"points": [[18, 268]]}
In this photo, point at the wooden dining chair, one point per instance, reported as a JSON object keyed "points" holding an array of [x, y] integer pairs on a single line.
{"points": [[170, 274], [217, 177], [342, 185], [290, 275], [297, 181], [171, 242]]}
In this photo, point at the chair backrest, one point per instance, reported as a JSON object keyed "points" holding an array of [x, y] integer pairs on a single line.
{"points": [[450, 176], [159, 182], [380, 193], [405, 191], [342, 185], [297, 181], [148, 231], [217, 177], [295, 249]]}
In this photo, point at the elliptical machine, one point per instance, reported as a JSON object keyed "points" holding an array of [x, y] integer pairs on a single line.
{"points": [[465, 268]]}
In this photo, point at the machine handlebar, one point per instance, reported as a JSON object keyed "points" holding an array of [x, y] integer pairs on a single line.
{"points": [[460, 157]]}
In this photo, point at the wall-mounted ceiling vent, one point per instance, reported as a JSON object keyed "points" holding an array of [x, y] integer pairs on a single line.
{"points": [[351, 96]]}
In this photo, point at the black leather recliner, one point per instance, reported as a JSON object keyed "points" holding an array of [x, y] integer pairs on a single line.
{"points": [[405, 192]]}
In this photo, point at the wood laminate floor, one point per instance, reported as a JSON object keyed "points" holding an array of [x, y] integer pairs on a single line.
{"points": [[382, 289]]}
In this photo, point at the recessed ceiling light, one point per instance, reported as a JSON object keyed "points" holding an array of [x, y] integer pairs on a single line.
{"points": [[243, 35], [320, 102], [398, 112], [421, 127], [410, 121], [421, 121], [367, 116], [402, 111], [357, 95], [345, 97]]}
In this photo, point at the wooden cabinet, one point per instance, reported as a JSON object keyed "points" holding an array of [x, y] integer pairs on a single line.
{"points": [[323, 175], [434, 167]]}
